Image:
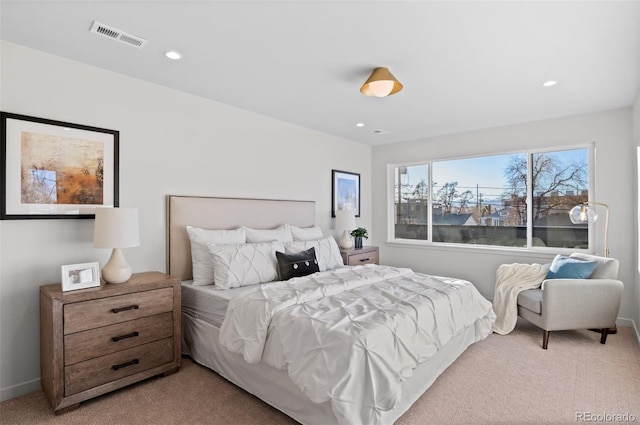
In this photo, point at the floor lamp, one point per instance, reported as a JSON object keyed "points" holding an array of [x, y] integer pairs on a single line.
{"points": [[582, 214]]}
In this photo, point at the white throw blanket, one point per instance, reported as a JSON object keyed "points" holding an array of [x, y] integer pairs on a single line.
{"points": [[352, 335], [511, 279]]}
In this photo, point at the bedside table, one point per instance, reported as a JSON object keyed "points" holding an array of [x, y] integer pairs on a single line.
{"points": [[358, 257], [96, 340]]}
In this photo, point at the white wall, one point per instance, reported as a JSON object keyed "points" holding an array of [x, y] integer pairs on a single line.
{"points": [[636, 137], [615, 185], [170, 143]]}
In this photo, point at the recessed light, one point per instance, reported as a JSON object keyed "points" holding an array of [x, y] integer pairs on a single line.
{"points": [[549, 83], [360, 124], [173, 55]]}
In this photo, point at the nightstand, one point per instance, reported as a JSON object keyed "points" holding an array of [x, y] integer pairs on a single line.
{"points": [[96, 340], [357, 257]]}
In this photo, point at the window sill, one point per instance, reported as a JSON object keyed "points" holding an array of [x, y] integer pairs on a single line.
{"points": [[534, 252]]}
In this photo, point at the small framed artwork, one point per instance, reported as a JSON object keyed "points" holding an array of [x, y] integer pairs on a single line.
{"points": [[345, 191], [80, 276], [55, 169]]}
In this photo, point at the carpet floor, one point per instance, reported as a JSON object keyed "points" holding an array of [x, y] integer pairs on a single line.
{"points": [[506, 379]]}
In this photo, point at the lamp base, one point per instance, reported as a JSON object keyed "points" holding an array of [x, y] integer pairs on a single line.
{"points": [[346, 242], [116, 270]]}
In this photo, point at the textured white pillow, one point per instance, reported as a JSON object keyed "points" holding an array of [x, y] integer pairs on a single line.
{"points": [[200, 257], [237, 265], [306, 233], [327, 251], [281, 234]]}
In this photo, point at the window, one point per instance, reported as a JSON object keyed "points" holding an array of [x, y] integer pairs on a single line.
{"points": [[485, 200], [557, 178], [411, 206], [474, 204]]}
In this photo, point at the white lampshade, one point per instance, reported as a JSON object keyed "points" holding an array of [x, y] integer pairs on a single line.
{"points": [[345, 220], [116, 228], [345, 223]]}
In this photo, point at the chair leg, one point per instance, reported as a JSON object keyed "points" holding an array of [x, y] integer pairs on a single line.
{"points": [[603, 337], [545, 339]]}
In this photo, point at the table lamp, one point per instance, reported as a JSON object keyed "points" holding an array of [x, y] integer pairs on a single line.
{"points": [[116, 228], [345, 223]]}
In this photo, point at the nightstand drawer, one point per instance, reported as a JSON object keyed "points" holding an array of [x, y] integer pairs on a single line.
{"points": [[86, 345], [107, 311], [92, 373], [370, 257]]}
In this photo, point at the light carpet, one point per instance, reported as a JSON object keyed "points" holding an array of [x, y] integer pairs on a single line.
{"points": [[505, 379]]}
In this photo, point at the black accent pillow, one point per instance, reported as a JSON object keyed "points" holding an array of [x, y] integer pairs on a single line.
{"points": [[296, 265]]}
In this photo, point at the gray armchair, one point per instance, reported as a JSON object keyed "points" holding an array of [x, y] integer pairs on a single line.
{"points": [[565, 304]]}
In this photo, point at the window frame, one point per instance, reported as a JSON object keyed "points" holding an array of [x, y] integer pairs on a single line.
{"points": [[391, 240]]}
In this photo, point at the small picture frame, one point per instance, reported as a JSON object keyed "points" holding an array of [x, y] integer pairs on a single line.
{"points": [[80, 276]]}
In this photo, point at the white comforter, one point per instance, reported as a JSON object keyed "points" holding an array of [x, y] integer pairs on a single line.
{"points": [[353, 334]]}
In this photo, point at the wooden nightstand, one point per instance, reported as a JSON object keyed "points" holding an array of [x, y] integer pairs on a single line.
{"points": [[96, 340], [358, 257]]}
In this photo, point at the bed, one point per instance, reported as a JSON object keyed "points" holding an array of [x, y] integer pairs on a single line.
{"points": [[299, 365]]}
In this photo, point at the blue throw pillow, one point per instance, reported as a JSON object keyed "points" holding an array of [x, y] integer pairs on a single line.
{"points": [[564, 267]]}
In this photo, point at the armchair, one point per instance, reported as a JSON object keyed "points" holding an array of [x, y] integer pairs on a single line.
{"points": [[565, 304]]}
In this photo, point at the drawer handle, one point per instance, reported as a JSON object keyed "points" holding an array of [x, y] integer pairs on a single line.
{"points": [[129, 307], [364, 259], [131, 335], [121, 365]]}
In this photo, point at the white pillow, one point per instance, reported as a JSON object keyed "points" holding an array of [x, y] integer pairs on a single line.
{"points": [[200, 257], [281, 234], [306, 233], [237, 265], [327, 251]]}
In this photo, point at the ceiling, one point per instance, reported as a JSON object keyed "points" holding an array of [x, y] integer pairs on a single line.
{"points": [[464, 65]]}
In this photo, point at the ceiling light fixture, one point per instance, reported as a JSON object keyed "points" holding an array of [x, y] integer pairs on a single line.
{"points": [[173, 55], [359, 124], [549, 83], [381, 83]]}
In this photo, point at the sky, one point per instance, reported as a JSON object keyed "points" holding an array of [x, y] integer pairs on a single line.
{"points": [[482, 175]]}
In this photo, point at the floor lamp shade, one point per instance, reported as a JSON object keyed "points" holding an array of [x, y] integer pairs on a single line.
{"points": [[116, 228], [345, 223], [584, 213]]}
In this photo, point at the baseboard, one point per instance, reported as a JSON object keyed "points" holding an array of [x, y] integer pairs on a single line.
{"points": [[629, 323], [20, 389]]}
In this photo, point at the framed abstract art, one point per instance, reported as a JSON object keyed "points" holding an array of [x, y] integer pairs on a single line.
{"points": [[55, 169]]}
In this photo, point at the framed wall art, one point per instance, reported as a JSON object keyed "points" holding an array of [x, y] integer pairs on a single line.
{"points": [[55, 169], [80, 276], [345, 191]]}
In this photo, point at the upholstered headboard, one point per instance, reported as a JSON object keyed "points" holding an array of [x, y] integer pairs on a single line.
{"points": [[225, 213]]}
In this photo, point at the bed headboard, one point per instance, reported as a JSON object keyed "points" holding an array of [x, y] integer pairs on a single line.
{"points": [[225, 213]]}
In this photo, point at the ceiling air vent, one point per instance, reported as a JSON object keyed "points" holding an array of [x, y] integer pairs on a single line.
{"points": [[118, 35]]}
